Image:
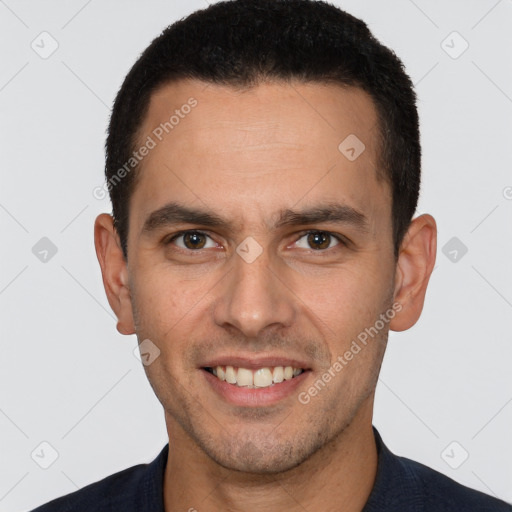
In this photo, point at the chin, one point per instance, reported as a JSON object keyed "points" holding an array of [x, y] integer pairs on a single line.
{"points": [[260, 457]]}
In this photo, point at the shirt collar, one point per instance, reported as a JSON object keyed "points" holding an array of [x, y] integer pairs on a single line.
{"points": [[396, 486], [150, 493]]}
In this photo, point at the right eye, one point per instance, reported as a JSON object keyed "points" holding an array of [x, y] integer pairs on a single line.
{"points": [[192, 240]]}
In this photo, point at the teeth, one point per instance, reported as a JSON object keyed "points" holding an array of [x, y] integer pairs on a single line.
{"points": [[278, 374], [230, 374], [260, 378], [244, 377]]}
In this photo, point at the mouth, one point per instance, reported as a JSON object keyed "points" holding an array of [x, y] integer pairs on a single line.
{"points": [[254, 378], [261, 380]]}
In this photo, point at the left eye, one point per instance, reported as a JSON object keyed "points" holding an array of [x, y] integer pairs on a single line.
{"points": [[193, 240], [317, 240]]}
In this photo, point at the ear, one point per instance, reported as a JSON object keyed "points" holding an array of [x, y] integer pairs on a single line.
{"points": [[415, 264], [114, 271]]}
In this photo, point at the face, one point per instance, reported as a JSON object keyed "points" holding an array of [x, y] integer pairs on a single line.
{"points": [[256, 243]]}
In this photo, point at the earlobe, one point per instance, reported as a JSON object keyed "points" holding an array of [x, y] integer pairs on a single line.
{"points": [[114, 272], [414, 268]]}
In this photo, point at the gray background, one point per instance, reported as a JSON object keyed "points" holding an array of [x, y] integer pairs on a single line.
{"points": [[69, 379]]}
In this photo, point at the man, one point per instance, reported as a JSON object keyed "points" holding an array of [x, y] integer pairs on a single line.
{"points": [[263, 162]]}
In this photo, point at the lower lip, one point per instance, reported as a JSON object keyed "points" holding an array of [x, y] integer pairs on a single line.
{"points": [[254, 397]]}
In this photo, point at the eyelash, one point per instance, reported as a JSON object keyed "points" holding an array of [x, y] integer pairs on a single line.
{"points": [[301, 235]]}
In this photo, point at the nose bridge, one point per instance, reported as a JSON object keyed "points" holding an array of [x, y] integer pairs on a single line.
{"points": [[253, 298]]}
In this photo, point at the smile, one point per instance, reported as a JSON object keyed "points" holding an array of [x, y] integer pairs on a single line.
{"points": [[254, 378]]}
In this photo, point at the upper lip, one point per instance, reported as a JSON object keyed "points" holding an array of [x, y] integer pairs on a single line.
{"points": [[254, 362]]}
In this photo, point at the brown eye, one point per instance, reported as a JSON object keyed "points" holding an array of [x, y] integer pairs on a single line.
{"points": [[318, 240], [192, 240]]}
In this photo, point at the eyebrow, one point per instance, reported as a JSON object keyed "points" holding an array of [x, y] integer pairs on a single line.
{"points": [[176, 213]]}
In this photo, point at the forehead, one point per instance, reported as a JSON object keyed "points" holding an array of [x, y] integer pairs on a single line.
{"points": [[256, 150]]}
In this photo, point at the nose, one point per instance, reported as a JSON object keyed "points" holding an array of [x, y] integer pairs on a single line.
{"points": [[253, 298]]}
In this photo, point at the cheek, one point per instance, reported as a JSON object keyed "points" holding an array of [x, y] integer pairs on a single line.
{"points": [[344, 299], [344, 308], [158, 303]]}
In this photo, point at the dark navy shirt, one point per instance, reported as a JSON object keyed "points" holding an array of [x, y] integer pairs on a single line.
{"points": [[401, 485]]}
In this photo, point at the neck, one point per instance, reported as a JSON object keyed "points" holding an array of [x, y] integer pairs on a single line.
{"points": [[339, 476]]}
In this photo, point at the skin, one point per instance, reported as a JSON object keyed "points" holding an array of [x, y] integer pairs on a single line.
{"points": [[246, 155]]}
